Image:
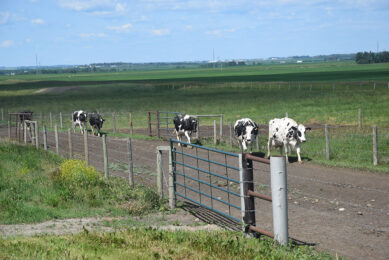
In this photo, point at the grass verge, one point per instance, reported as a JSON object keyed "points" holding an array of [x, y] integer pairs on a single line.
{"points": [[31, 191], [148, 243]]}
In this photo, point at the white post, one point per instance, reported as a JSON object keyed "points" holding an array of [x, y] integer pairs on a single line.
{"points": [[280, 199], [56, 138], [221, 127], [172, 196], [214, 133], [242, 204]]}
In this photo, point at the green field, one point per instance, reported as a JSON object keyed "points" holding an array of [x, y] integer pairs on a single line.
{"points": [[313, 94]]}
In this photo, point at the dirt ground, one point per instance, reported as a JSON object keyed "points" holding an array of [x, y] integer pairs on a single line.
{"points": [[180, 220], [342, 211]]}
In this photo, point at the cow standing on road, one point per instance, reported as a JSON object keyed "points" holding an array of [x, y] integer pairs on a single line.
{"points": [[184, 125], [96, 122], [246, 131], [285, 132], [80, 118]]}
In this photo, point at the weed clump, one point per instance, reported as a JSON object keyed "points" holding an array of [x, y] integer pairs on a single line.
{"points": [[76, 172]]}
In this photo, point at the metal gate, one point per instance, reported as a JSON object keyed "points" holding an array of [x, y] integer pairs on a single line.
{"points": [[223, 183], [165, 125], [212, 183]]}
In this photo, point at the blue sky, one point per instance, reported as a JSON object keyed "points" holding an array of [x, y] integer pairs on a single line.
{"points": [[88, 31]]}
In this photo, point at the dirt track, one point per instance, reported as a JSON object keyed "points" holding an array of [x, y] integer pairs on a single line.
{"points": [[342, 211]]}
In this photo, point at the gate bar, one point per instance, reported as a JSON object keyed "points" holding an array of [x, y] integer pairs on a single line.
{"points": [[257, 159], [260, 196]]}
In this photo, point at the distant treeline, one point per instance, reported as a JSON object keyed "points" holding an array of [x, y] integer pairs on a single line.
{"points": [[371, 57]]}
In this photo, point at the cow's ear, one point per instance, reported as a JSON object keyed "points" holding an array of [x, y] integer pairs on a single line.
{"points": [[308, 129], [294, 128]]}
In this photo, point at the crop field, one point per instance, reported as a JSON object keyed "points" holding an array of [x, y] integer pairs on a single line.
{"points": [[312, 94]]}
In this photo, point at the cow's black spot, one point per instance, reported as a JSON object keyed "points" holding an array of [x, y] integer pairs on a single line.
{"points": [[277, 129], [288, 124]]}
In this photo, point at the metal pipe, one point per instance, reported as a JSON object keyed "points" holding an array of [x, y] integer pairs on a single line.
{"points": [[259, 196], [261, 231], [280, 199], [257, 159]]}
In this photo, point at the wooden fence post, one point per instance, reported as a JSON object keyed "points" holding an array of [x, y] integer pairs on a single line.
{"points": [[113, 122], [56, 138], [44, 137], [130, 164], [105, 153], [359, 118], [24, 132], [131, 129], [198, 128], [375, 144], [159, 173], [37, 135], [157, 123], [221, 127], [149, 122], [9, 129], [214, 133], [70, 143], [86, 150], [60, 120], [230, 126], [246, 184], [172, 187], [327, 134]]}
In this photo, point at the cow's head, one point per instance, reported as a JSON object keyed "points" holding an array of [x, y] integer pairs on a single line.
{"points": [[193, 122], [101, 121], [299, 133], [248, 131], [82, 116]]}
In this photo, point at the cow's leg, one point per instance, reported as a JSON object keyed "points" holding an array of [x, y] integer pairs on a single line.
{"points": [[244, 146], [298, 154], [188, 136], [74, 127], [178, 138], [286, 152], [268, 147]]}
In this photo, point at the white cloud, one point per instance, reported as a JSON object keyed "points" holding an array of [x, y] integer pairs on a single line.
{"points": [[92, 35], [7, 43], [122, 28], [4, 16], [37, 21], [160, 32], [95, 7]]}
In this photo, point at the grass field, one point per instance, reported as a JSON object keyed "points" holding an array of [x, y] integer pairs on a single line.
{"points": [[313, 94]]}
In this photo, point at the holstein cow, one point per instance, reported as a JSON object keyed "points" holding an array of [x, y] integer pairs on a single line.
{"points": [[80, 118], [96, 122], [286, 132], [27, 115], [246, 131], [185, 125]]}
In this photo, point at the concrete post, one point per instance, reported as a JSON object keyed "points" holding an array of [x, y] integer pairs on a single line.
{"points": [[279, 198], [172, 186], [214, 133], [159, 173]]}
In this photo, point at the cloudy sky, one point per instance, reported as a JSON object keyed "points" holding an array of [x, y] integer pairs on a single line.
{"points": [[88, 31]]}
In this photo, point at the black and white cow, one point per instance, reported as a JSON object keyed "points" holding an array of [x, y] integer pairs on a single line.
{"points": [[246, 131], [96, 122], [80, 118], [285, 132], [185, 125]]}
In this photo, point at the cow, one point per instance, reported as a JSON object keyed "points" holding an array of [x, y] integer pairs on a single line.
{"points": [[184, 125], [286, 132], [246, 131], [96, 122], [80, 118], [25, 115]]}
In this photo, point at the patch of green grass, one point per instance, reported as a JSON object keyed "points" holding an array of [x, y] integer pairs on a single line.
{"points": [[31, 191], [147, 243]]}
